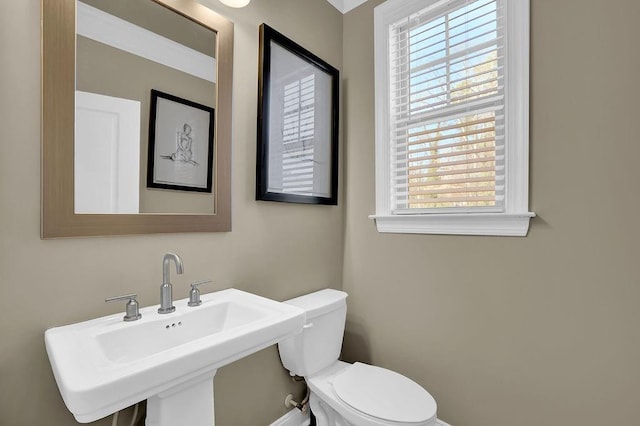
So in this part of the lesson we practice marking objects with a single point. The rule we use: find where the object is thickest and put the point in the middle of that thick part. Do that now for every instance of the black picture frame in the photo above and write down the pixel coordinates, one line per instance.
(181, 143)
(297, 151)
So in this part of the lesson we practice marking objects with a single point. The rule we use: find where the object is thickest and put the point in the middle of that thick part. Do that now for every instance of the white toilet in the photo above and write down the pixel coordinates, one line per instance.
(345, 394)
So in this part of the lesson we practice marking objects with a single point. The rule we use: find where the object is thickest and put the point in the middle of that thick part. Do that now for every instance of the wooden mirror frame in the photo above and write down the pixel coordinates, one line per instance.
(58, 218)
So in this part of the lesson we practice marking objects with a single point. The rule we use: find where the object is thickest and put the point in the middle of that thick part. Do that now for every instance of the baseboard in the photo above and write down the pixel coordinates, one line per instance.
(296, 418)
(293, 418)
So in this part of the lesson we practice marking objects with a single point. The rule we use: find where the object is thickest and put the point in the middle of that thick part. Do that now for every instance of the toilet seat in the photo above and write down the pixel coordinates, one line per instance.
(336, 387)
(384, 394)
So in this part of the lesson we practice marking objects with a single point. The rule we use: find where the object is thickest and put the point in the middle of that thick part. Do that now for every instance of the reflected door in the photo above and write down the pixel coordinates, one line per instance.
(107, 154)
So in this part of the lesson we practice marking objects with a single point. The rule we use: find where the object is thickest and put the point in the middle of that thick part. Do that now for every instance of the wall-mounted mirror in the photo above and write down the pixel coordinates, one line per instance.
(136, 117)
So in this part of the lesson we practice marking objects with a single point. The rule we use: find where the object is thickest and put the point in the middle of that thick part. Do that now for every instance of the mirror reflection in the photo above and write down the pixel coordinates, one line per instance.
(128, 52)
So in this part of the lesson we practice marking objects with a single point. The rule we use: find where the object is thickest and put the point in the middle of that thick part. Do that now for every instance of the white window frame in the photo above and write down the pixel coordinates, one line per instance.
(514, 219)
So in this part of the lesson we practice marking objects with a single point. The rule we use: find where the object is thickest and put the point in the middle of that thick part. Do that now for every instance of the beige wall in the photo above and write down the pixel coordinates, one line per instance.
(276, 250)
(543, 330)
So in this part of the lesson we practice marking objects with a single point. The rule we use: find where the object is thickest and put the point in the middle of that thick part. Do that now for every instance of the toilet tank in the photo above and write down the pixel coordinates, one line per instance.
(319, 344)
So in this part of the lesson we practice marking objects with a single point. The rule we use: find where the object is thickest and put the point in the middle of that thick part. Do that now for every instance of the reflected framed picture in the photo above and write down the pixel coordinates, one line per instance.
(180, 144)
(297, 153)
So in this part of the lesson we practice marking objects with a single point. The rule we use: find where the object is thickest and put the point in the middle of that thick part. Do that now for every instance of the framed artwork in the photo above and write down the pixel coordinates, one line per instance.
(180, 144)
(297, 155)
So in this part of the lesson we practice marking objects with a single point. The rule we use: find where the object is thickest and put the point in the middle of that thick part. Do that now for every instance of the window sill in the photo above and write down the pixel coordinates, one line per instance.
(495, 224)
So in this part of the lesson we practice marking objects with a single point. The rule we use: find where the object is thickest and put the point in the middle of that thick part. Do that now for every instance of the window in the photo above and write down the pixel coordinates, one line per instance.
(452, 110)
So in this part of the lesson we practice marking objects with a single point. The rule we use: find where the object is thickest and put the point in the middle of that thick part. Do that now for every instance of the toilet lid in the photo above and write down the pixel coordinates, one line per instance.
(384, 394)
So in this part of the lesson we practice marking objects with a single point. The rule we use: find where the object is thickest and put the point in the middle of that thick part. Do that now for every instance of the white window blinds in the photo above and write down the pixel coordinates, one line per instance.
(446, 95)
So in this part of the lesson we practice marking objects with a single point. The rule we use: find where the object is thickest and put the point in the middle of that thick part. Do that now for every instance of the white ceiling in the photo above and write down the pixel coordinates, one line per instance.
(346, 5)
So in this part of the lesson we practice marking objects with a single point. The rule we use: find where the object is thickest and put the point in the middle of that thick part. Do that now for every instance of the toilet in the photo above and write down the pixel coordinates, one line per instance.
(343, 394)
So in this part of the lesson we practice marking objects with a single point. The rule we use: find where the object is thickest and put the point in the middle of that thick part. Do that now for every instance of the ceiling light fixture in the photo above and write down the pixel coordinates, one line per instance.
(235, 3)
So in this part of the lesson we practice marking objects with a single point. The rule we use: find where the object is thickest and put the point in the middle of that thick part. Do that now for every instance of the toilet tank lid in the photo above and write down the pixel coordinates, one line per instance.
(319, 302)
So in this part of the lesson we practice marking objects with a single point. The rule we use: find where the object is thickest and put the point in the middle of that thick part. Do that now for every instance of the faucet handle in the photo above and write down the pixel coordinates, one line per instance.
(194, 294)
(132, 309)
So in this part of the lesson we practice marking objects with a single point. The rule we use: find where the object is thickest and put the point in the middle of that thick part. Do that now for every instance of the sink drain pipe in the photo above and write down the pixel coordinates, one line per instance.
(134, 417)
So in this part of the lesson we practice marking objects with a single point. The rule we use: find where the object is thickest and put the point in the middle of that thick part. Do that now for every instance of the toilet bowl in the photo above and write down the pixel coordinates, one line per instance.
(343, 394)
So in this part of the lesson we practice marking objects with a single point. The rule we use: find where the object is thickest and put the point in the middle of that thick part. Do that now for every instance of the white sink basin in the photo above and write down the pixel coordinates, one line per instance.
(106, 364)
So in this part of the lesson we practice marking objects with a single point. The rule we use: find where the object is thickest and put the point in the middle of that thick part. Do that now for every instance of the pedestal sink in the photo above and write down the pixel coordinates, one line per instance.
(104, 365)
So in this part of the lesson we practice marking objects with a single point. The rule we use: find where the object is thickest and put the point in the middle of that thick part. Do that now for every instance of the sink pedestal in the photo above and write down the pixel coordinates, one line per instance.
(190, 403)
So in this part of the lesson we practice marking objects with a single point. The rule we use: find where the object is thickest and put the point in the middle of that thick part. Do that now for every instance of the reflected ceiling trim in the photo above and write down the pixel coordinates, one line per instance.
(115, 32)
(345, 6)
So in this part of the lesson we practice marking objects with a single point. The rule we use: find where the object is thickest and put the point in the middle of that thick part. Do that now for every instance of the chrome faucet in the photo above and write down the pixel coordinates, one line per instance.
(166, 299)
